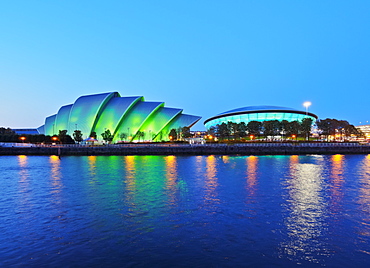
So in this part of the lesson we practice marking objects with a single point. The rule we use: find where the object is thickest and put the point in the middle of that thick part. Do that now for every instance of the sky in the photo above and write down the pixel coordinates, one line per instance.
(206, 57)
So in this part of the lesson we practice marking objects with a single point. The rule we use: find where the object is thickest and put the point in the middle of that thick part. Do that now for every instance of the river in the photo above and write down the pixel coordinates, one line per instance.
(185, 211)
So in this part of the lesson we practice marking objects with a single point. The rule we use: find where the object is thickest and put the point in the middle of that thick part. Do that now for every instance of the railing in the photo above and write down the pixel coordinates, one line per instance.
(249, 144)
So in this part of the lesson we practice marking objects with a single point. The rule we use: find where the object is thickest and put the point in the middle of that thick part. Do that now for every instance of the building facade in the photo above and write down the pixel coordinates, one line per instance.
(258, 113)
(127, 118)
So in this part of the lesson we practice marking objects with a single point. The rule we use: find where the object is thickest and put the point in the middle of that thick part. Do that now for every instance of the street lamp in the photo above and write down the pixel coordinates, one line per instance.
(307, 104)
(54, 138)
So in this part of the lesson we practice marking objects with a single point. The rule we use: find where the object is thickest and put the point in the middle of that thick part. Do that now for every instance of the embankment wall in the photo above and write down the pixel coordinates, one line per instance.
(186, 149)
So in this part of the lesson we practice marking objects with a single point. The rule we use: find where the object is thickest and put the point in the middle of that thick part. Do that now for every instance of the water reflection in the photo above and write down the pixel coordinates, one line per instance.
(171, 177)
(336, 180)
(252, 168)
(211, 181)
(262, 211)
(364, 202)
(306, 207)
(23, 182)
(130, 179)
(56, 176)
(92, 164)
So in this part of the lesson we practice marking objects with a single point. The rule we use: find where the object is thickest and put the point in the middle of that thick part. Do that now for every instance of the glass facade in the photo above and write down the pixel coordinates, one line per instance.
(283, 114)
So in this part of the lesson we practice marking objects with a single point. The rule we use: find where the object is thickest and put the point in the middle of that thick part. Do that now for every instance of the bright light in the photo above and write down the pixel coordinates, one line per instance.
(307, 104)
(22, 138)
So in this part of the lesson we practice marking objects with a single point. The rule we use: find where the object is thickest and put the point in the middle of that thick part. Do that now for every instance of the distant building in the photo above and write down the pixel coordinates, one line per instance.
(127, 118)
(26, 131)
(195, 140)
(258, 113)
(365, 129)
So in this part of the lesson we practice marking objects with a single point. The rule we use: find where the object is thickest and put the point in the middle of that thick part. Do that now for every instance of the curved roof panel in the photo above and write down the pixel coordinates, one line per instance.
(86, 110)
(62, 119)
(128, 115)
(180, 120)
(158, 121)
(113, 113)
(132, 122)
(50, 125)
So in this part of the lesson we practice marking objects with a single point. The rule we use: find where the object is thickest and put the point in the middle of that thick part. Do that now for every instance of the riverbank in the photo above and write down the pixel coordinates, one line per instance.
(187, 149)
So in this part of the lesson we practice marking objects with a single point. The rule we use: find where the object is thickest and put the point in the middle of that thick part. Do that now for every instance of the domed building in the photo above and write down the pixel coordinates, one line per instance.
(258, 113)
(120, 115)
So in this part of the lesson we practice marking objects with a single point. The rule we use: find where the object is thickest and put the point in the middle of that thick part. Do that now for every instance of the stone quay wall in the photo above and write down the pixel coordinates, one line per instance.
(187, 149)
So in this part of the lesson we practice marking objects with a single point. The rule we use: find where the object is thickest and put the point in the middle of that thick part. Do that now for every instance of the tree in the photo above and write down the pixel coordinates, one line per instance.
(140, 134)
(306, 125)
(271, 128)
(284, 127)
(93, 135)
(62, 134)
(77, 136)
(232, 129)
(107, 136)
(294, 128)
(64, 138)
(173, 134)
(123, 136)
(352, 130)
(254, 128)
(242, 129)
(223, 131)
(212, 131)
(186, 132)
(332, 127)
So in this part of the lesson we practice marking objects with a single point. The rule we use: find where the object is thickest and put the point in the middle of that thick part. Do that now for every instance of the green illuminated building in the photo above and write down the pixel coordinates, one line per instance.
(121, 115)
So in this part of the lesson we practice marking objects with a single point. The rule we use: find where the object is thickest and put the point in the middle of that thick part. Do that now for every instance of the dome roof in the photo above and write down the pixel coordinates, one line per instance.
(257, 109)
(264, 112)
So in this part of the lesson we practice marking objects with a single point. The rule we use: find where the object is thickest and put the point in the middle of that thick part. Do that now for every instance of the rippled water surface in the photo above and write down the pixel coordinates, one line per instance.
(196, 211)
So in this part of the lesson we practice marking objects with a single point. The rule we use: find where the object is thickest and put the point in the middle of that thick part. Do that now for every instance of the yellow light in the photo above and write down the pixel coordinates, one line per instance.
(210, 136)
(22, 138)
(170, 137)
(293, 136)
(54, 138)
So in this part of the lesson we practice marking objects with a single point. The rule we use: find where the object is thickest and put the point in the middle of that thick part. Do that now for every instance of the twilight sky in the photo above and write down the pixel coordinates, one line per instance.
(205, 57)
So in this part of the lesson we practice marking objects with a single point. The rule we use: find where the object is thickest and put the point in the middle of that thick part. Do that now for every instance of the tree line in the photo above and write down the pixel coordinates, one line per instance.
(284, 128)
(331, 127)
(225, 131)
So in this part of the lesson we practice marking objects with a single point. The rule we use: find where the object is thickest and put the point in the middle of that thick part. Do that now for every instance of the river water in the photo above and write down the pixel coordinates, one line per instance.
(185, 211)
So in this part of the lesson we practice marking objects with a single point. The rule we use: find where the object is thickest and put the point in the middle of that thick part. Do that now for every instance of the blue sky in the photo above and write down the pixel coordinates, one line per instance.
(205, 57)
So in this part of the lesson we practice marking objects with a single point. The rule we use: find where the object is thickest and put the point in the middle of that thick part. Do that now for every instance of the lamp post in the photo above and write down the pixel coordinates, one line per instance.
(56, 139)
(307, 104)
